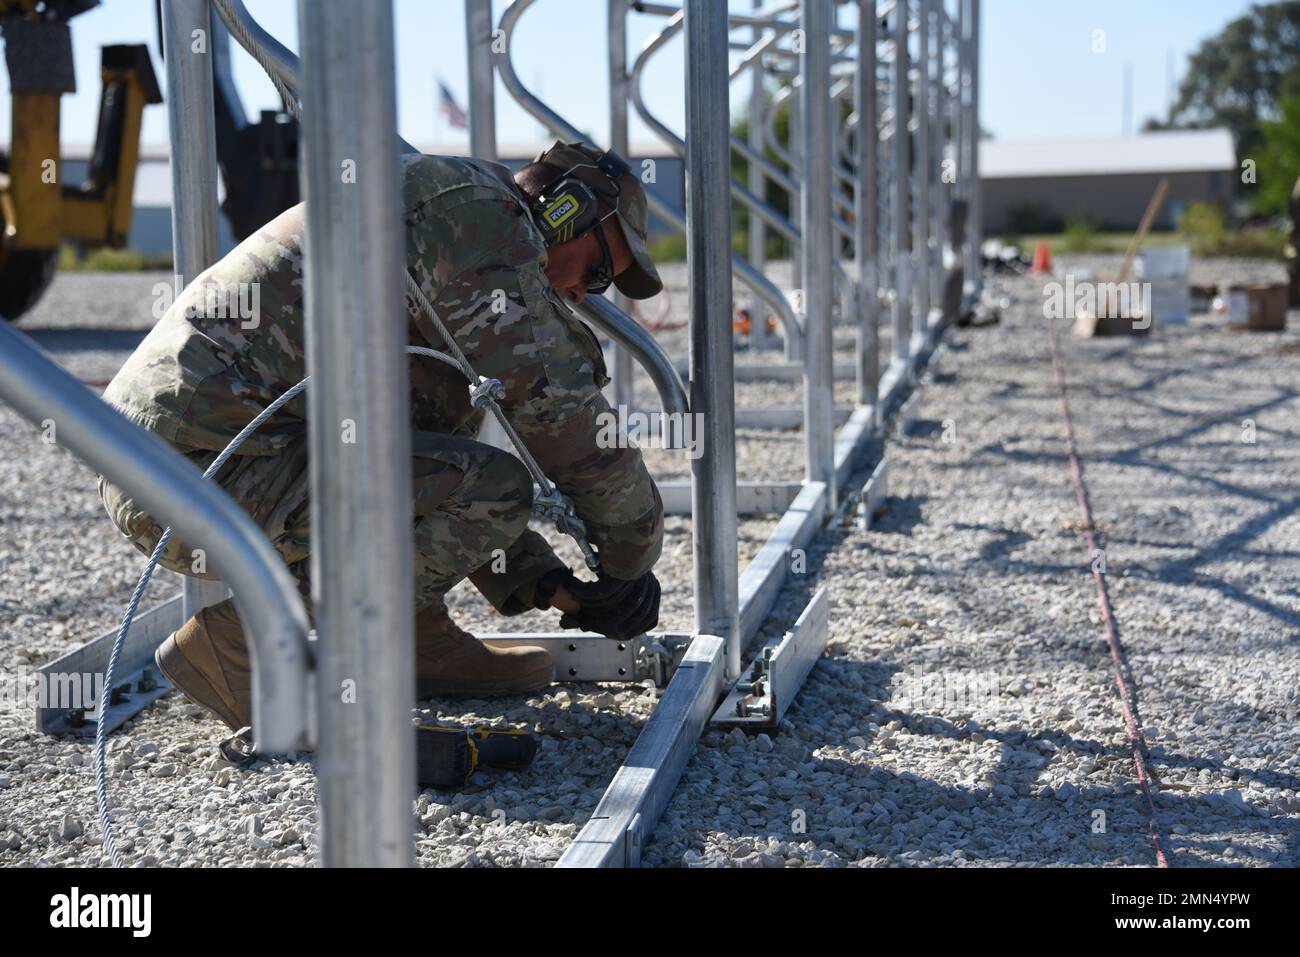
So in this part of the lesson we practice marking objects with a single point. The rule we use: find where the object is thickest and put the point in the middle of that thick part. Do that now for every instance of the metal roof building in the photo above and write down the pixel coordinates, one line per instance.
(151, 223)
(1028, 187)
(1038, 187)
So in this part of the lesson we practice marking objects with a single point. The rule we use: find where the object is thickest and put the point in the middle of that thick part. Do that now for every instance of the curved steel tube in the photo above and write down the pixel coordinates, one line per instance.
(637, 340)
(758, 18)
(171, 489)
(753, 53)
(280, 63)
(770, 214)
(767, 290)
(769, 126)
(772, 141)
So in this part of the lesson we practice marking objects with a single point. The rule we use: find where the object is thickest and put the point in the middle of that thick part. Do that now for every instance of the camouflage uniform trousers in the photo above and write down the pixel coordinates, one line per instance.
(471, 504)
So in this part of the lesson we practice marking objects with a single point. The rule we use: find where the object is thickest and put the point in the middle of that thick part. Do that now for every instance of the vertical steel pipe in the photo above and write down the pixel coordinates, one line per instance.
(758, 186)
(481, 75)
(708, 262)
(359, 433)
(866, 211)
(975, 229)
(968, 138)
(482, 79)
(938, 141)
(188, 45)
(621, 381)
(921, 212)
(901, 192)
(795, 144)
(959, 125)
(818, 242)
(187, 41)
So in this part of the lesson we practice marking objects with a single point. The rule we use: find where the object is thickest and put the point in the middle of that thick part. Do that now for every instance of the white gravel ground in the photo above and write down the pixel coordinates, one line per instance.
(965, 714)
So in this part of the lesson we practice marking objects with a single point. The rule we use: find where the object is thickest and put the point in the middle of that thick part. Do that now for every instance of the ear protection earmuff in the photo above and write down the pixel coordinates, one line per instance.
(568, 207)
(565, 209)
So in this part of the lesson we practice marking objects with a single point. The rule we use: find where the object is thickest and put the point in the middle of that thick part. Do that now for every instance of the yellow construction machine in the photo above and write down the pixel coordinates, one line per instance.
(38, 210)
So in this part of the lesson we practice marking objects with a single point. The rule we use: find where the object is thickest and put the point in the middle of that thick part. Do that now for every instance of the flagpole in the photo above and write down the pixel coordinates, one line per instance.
(437, 108)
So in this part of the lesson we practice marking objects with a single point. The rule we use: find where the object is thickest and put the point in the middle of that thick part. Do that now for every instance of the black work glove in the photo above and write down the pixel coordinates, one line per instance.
(614, 607)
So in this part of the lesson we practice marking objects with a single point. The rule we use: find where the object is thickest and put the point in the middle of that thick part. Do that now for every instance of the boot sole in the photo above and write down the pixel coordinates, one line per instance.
(191, 682)
(460, 688)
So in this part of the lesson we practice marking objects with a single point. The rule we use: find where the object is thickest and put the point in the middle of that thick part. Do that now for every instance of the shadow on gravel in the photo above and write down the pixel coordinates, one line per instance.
(857, 811)
(902, 515)
(925, 429)
(1232, 544)
(1133, 454)
(897, 817)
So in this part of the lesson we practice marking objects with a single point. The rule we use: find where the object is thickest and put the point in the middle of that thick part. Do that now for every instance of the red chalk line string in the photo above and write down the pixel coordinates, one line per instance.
(1135, 737)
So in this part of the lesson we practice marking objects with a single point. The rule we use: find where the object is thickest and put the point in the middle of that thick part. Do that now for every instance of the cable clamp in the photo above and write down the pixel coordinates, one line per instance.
(556, 507)
(486, 392)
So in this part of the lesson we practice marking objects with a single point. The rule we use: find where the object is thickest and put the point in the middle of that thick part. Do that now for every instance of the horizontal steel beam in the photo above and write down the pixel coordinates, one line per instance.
(579, 656)
(135, 668)
(784, 417)
(584, 656)
(752, 498)
(775, 371)
(767, 417)
(763, 578)
(631, 806)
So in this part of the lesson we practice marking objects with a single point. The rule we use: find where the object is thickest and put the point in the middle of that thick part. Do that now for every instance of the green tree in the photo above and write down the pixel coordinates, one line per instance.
(777, 197)
(773, 193)
(1278, 158)
(1239, 78)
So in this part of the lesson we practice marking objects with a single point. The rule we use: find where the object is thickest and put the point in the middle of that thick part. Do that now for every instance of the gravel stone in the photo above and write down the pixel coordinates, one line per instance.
(965, 714)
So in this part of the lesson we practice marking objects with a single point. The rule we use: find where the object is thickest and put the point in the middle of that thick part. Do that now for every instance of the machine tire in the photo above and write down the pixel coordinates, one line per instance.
(24, 277)
(25, 274)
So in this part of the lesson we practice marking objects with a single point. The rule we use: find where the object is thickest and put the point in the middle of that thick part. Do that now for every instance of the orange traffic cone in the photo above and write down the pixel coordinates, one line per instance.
(1042, 259)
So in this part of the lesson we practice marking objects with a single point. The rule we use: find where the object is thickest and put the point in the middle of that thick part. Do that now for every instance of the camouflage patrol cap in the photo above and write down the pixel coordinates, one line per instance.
(641, 279)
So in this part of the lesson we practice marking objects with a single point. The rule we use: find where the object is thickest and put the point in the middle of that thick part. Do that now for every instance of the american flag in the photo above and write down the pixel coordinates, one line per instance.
(451, 110)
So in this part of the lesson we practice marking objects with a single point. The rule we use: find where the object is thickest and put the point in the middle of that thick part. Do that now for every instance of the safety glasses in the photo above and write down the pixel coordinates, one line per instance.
(603, 275)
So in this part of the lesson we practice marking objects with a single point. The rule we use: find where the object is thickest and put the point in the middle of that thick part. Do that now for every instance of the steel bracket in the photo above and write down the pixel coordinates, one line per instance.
(874, 493)
(135, 669)
(761, 696)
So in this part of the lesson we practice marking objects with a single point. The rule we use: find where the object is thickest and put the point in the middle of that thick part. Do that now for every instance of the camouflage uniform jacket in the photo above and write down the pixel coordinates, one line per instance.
(212, 362)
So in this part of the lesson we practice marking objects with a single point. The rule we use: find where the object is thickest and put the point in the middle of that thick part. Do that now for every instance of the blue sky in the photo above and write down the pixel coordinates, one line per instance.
(1042, 80)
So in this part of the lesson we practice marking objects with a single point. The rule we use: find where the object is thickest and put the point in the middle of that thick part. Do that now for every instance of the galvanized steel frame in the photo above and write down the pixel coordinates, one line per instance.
(898, 251)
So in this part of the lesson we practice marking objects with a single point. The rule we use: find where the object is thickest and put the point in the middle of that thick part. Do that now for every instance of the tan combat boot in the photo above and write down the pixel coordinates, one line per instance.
(207, 660)
(450, 661)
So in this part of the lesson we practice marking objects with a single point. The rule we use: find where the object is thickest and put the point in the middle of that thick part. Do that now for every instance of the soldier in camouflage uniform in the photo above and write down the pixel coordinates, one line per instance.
(208, 367)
